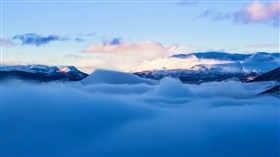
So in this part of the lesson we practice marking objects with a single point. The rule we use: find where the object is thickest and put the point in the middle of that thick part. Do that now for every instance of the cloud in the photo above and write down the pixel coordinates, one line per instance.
(112, 61)
(254, 12)
(165, 119)
(12, 61)
(114, 77)
(6, 42)
(79, 39)
(117, 54)
(83, 36)
(257, 12)
(116, 45)
(87, 34)
(215, 15)
(38, 40)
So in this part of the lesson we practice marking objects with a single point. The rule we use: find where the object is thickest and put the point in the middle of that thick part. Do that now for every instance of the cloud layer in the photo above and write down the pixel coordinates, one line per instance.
(164, 119)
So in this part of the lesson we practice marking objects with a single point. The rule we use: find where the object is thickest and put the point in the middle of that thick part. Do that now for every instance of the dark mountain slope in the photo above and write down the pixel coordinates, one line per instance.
(273, 75)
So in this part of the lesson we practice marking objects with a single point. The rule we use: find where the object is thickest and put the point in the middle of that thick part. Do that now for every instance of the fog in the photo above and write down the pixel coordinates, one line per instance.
(166, 118)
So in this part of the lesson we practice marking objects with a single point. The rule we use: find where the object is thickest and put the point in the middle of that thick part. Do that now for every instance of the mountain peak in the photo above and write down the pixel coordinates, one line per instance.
(67, 69)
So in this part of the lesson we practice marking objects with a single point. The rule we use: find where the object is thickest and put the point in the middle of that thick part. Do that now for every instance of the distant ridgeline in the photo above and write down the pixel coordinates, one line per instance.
(41, 73)
(273, 75)
(209, 66)
(191, 68)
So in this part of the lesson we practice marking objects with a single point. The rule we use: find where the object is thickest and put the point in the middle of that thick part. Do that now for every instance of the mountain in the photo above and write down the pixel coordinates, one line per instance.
(208, 66)
(215, 55)
(273, 90)
(273, 75)
(41, 73)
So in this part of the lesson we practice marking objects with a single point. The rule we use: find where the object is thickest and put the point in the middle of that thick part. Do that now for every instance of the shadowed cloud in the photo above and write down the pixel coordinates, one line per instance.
(127, 116)
(38, 40)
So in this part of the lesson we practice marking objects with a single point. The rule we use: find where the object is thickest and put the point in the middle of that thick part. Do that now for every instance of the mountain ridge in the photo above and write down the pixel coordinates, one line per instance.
(41, 73)
(249, 62)
(209, 66)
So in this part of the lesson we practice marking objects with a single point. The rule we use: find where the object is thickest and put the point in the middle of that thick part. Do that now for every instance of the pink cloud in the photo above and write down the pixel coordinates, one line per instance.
(6, 42)
(142, 46)
(122, 55)
(257, 12)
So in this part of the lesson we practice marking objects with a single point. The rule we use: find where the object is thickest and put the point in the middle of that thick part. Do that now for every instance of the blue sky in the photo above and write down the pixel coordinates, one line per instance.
(196, 26)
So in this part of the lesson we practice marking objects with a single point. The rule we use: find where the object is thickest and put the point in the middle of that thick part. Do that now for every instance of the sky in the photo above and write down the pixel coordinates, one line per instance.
(119, 34)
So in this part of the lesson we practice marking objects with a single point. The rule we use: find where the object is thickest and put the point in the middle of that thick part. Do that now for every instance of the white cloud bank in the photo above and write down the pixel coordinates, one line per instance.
(164, 119)
(122, 55)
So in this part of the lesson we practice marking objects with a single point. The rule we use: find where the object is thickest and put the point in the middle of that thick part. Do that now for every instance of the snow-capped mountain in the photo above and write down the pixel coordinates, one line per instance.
(38, 68)
(260, 61)
(172, 63)
(41, 72)
(208, 66)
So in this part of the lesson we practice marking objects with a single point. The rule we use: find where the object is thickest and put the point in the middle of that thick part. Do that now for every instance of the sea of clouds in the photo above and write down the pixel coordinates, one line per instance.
(148, 118)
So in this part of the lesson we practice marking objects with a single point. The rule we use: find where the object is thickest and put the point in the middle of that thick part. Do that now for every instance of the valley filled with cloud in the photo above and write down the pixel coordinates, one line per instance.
(117, 114)
(139, 78)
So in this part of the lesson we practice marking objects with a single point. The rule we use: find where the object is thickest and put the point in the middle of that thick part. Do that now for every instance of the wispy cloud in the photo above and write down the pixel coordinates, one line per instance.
(83, 37)
(79, 39)
(87, 34)
(38, 40)
(257, 12)
(186, 3)
(215, 15)
(72, 56)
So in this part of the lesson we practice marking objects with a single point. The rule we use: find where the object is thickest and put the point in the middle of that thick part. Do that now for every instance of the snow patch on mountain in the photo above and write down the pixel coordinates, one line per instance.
(64, 70)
